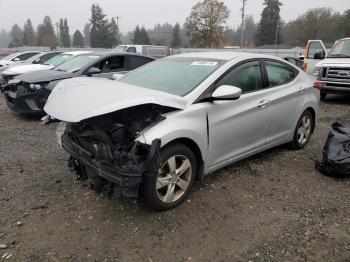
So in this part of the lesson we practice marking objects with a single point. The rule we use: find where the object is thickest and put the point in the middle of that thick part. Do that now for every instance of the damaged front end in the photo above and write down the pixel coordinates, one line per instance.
(104, 150)
(25, 98)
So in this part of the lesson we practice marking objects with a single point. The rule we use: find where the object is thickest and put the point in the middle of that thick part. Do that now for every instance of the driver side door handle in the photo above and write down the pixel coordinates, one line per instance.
(263, 103)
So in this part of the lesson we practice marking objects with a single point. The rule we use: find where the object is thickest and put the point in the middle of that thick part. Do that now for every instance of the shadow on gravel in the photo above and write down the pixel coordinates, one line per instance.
(27, 118)
(339, 99)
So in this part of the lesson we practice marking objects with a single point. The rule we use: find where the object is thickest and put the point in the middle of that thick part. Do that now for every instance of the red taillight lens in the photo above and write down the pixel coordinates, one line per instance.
(318, 85)
(305, 66)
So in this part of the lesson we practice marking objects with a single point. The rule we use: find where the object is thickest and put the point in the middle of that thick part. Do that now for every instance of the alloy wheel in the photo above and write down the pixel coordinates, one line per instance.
(304, 129)
(174, 178)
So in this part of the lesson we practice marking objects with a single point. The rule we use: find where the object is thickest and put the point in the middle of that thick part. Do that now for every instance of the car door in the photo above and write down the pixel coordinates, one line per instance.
(315, 51)
(240, 126)
(286, 99)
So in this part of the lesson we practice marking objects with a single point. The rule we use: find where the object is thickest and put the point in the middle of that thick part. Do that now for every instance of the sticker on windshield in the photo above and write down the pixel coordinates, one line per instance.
(204, 63)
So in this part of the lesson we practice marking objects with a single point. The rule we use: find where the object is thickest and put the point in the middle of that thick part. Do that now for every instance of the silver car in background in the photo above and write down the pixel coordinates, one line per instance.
(170, 122)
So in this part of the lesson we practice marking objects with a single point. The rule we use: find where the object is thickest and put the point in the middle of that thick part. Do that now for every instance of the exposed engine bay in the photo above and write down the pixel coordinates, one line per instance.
(104, 150)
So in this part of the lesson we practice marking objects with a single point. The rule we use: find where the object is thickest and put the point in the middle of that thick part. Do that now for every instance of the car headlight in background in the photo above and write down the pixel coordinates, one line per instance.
(36, 86)
(317, 71)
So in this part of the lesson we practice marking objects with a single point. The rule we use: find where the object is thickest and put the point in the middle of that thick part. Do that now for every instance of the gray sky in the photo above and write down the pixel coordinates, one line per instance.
(142, 12)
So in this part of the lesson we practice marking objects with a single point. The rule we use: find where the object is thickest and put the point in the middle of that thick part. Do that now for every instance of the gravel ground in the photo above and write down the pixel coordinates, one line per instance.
(271, 207)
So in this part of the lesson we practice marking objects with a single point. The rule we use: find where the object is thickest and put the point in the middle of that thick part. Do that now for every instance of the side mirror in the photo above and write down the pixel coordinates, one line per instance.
(16, 59)
(93, 71)
(36, 61)
(117, 76)
(226, 92)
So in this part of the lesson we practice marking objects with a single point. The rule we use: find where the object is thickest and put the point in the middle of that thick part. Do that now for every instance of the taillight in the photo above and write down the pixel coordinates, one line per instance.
(305, 66)
(317, 85)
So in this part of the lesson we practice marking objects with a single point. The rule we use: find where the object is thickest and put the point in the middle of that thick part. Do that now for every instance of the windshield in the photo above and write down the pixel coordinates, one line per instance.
(341, 49)
(120, 49)
(175, 76)
(76, 63)
(58, 59)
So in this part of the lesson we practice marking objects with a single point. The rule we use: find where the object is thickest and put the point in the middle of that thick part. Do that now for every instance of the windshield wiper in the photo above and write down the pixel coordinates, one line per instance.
(339, 56)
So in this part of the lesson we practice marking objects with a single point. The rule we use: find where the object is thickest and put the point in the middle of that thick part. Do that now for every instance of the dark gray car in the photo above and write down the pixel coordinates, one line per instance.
(27, 94)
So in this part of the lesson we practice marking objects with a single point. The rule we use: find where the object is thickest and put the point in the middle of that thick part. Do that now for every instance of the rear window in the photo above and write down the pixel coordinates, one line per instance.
(278, 73)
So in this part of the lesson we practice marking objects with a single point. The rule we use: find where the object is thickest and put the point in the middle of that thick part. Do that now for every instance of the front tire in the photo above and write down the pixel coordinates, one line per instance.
(303, 130)
(170, 186)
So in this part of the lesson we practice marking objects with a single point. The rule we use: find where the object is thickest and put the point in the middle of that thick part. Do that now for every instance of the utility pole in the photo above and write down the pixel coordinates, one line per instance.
(242, 26)
(276, 36)
(117, 18)
(58, 35)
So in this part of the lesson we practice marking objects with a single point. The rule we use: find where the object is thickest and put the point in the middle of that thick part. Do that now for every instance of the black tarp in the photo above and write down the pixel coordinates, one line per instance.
(336, 153)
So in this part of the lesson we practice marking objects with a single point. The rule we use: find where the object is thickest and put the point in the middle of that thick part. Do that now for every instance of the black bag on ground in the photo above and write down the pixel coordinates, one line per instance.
(336, 153)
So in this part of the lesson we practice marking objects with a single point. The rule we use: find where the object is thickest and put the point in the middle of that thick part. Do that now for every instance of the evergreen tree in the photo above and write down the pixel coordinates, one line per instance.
(64, 33)
(99, 27)
(86, 32)
(144, 37)
(270, 24)
(136, 39)
(4, 38)
(78, 39)
(46, 34)
(176, 36)
(114, 35)
(29, 38)
(16, 36)
(346, 23)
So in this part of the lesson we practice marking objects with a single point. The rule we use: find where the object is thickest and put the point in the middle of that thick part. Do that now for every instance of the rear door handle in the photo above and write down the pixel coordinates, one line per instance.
(263, 103)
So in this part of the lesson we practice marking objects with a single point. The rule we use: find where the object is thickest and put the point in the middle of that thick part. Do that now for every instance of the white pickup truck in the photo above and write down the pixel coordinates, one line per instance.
(332, 70)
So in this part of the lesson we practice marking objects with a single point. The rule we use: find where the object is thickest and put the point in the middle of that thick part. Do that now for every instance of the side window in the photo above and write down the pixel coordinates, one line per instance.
(315, 51)
(247, 77)
(278, 74)
(26, 56)
(46, 57)
(111, 64)
(131, 49)
(135, 62)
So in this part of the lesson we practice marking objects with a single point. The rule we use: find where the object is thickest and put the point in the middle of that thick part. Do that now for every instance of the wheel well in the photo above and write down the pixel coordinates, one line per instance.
(313, 113)
(196, 151)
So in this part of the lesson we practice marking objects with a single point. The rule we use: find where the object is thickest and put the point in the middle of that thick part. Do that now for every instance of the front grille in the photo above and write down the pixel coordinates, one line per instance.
(336, 74)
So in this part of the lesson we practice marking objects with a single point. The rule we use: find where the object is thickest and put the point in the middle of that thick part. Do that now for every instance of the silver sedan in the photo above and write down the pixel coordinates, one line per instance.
(168, 123)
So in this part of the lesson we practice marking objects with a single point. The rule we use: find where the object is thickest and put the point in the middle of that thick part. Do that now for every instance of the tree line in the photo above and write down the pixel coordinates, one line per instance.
(206, 26)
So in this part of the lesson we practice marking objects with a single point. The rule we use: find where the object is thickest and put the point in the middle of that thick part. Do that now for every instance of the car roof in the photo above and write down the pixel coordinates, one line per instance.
(225, 55)
(77, 52)
(103, 54)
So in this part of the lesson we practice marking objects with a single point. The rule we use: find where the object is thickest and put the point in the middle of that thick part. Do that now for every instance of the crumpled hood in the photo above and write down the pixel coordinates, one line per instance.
(44, 76)
(333, 61)
(21, 69)
(76, 99)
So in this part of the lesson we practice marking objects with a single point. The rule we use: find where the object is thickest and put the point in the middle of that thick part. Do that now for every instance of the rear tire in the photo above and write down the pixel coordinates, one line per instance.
(171, 185)
(303, 130)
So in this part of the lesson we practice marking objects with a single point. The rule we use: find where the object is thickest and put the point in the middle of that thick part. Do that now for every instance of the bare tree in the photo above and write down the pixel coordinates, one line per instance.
(205, 23)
